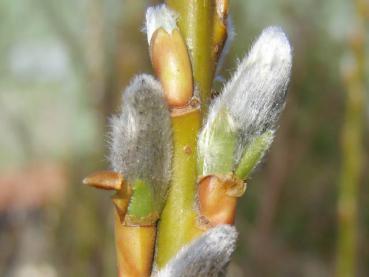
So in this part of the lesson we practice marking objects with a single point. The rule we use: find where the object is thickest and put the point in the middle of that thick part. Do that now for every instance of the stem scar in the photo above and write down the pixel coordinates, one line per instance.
(187, 149)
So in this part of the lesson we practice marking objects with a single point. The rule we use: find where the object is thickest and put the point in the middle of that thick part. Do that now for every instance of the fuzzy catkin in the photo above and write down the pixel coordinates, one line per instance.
(207, 256)
(141, 146)
(255, 96)
(159, 16)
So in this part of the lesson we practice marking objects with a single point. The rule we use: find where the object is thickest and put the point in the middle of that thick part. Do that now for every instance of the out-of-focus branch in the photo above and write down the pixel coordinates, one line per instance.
(50, 10)
(352, 149)
(277, 173)
(95, 59)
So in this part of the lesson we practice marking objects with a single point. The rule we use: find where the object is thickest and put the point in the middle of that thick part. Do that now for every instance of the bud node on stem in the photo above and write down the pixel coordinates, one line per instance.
(217, 198)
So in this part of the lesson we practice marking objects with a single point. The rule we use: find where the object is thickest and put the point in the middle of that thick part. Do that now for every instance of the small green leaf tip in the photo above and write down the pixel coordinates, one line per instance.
(140, 140)
(253, 153)
(251, 103)
(142, 201)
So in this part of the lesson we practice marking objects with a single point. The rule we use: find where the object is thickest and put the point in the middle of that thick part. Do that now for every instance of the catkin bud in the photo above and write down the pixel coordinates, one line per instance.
(141, 146)
(169, 55)
(206, 256)
(249, 105)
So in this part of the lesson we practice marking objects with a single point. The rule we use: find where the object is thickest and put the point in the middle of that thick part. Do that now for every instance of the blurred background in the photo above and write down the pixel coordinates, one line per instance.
(63, 65)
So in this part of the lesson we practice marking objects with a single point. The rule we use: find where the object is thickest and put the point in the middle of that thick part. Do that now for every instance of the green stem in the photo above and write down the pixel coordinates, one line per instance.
(177, 224)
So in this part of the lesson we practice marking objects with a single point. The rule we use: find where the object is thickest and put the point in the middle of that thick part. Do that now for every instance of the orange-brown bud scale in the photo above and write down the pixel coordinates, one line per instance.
(219, 38)
(220, 27)
(222, 7)
(218, 196)
(121, 201)
(134, 244)
(107, 180)
(135, 249)
(146, 221)
(172, 65)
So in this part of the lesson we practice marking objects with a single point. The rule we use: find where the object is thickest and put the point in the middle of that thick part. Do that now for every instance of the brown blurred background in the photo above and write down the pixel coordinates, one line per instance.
(63, 65)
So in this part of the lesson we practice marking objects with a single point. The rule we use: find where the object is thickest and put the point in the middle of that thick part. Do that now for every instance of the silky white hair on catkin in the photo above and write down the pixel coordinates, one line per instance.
(207, 256)
(256, 94)
(160, 16)
(140, 138)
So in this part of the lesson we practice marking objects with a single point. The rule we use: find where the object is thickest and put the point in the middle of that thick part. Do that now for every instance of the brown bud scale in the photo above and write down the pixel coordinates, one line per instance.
(107, 180)
(218, 196)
